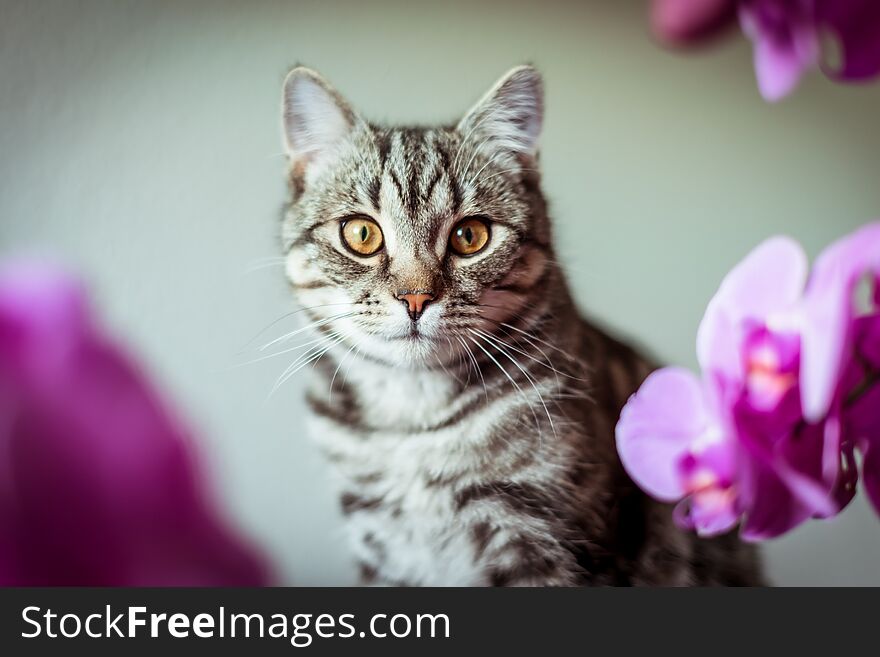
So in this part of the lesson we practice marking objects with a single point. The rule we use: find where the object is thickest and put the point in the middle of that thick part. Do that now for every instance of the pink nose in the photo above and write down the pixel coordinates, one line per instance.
(415, 302)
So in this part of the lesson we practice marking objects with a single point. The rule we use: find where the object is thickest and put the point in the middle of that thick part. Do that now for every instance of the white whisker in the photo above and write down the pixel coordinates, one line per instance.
(528, 377)
(290, 314)
(315, 324)
(513, 381)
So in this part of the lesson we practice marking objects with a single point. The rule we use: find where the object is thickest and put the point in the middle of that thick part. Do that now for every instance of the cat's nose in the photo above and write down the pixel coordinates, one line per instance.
(415, 302)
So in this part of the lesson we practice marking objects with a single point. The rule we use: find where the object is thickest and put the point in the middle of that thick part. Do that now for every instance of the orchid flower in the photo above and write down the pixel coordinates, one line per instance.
(786, 43)
(787, 35)
(764, 436)
(98, 479)
(842, 339)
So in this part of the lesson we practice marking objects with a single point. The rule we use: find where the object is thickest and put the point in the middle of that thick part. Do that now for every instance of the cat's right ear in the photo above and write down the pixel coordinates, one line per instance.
(509, 117)
(316, 120)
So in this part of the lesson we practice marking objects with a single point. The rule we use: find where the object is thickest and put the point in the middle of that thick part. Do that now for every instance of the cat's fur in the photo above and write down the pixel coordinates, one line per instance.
(474, 446)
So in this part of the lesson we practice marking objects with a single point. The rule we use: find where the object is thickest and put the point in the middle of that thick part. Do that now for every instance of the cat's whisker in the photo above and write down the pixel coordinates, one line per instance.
(315, 324)
(547, 364)
(280, 353)
(473, 358)
(461, 360)
(357, 354)
(445, 370)
(299, 359)
(499, 346)
(336, 371)
(540, 351)
(263, 263)
(544, 342)
(285, 316)
(512, 380)
(525, 334)
(312, 356)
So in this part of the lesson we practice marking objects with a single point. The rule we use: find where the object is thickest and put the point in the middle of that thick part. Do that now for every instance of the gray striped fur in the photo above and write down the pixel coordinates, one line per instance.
(474, 446)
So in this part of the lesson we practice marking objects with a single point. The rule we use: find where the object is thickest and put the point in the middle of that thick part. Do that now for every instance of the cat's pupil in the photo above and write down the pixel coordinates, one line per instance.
(364, 233)
(469, 235)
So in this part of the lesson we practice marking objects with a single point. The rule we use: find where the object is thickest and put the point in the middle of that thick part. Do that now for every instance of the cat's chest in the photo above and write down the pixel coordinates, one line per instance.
(395, 482)
(414, 536)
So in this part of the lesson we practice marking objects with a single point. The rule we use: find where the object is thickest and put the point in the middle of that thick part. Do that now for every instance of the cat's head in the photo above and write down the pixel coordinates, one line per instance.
(404, 241)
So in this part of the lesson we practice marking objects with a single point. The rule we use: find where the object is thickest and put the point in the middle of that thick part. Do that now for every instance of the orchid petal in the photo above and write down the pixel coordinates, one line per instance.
(99, 481)
(828, 310)
(707, 517)
(778, 514)
(768, 280)
(786, 45)
(856, 24)
(871, 473)
(657, 427)
(687, 22)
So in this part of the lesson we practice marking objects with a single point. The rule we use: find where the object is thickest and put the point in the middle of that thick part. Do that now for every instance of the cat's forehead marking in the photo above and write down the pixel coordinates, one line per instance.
(415, 189)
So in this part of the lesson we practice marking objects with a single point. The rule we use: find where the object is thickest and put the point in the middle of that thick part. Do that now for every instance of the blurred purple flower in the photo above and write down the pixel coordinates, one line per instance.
(684, 23)
(786, 34)
(786, 43)
(842, 338)
(98, 485)
(862, 419)
(767, 435)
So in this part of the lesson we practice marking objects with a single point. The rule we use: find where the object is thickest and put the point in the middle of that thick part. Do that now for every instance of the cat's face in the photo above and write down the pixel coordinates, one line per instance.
(403, 242)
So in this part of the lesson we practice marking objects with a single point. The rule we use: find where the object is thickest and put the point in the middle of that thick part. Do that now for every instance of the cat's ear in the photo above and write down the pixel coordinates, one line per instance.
(316, 120)
(510, 115)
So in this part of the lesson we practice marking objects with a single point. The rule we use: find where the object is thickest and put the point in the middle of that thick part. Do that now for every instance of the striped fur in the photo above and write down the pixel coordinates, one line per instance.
(475, 445)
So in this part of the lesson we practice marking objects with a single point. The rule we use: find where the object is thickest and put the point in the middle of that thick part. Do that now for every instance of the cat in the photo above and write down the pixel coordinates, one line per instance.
(466, 407)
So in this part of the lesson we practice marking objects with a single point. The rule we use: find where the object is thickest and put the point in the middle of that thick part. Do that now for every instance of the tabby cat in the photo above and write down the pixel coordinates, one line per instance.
(467, 408)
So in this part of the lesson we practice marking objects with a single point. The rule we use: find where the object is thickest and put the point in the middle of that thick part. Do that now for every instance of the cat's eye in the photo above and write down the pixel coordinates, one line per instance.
(362, 236)
(469, 236)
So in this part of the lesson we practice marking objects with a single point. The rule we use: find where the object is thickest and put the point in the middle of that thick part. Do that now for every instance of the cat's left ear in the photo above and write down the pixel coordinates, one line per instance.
(316, 121)
(510, 115)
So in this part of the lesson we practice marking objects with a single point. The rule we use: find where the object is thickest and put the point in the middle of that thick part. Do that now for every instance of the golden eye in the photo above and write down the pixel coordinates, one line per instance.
(362, 236)
(469, 236)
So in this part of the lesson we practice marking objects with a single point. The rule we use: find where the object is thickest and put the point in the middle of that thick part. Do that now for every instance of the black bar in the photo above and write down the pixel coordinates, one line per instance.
(527, 621)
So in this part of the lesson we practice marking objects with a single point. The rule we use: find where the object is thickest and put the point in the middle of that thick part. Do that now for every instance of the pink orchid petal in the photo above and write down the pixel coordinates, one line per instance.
(778, 71)
(782, 452)
(828, 311)
(657, 427)
(786, 44)
(862, 426)
(707, 517)
(688, 22)
(774, 510)
(768, 280)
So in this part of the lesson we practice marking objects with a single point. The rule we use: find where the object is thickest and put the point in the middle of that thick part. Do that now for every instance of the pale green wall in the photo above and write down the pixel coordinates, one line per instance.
(140, 140)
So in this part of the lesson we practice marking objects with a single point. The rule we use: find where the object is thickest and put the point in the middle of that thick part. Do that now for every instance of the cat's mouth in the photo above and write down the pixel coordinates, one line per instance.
(414, 335)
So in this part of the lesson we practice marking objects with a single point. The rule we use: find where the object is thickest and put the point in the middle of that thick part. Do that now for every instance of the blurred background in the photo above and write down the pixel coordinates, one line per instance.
(140, 142)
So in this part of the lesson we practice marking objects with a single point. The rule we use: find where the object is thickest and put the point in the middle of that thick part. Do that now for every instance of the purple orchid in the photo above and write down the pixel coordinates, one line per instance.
(786, 43)
(767, 436)
(98, 483)
(787, 35)
(842, 339)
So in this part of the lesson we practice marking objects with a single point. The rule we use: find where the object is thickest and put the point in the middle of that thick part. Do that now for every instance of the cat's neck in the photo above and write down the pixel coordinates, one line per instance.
(393, 396)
